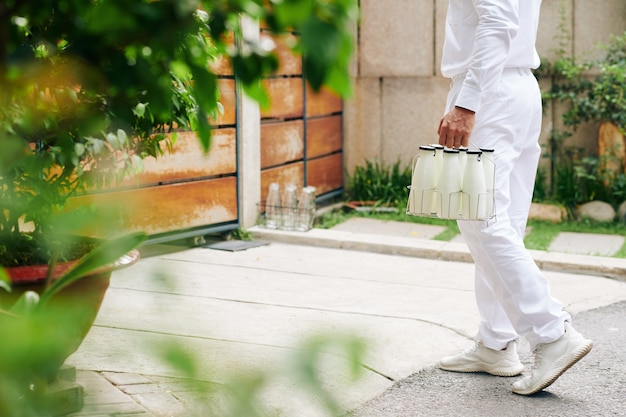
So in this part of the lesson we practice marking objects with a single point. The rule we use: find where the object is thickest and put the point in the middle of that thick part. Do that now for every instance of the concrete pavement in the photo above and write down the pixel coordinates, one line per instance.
(593, 387)
(411, 299)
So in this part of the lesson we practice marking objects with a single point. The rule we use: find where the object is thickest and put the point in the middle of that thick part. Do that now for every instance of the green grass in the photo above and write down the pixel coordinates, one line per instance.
(621, 253)
(541, 235)
(539, 238)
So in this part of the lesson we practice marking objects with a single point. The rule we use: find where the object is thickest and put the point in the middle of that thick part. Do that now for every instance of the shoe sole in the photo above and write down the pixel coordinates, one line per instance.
(496, 372)
(578, 356)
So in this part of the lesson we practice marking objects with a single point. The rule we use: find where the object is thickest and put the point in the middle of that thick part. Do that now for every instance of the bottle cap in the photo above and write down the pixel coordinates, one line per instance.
(450, 150)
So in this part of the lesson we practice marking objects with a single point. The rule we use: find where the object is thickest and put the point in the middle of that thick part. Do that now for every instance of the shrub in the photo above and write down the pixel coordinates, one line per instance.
(593, 90)
(379, 182)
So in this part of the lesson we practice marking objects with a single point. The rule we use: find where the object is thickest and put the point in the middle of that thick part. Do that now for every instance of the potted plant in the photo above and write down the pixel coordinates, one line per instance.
(73, 119)
(89, 89)
(80, 107)
(595, 91)
(42, 328)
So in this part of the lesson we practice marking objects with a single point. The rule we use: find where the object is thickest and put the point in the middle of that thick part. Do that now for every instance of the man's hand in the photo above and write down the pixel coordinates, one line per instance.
(455, 128)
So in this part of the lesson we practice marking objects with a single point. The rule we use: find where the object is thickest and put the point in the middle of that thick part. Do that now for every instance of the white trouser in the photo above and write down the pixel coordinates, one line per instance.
(512, 294)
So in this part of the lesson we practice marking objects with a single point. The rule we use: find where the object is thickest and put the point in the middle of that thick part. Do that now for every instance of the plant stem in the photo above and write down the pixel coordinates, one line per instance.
(52, 265)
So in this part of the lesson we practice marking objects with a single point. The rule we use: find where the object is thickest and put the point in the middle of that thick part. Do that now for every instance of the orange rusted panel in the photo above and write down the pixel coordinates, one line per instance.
(281, 142)
(323, 136)
(324, 102)
(286, 174)
(289, 62)
(166, 208)
(188, 161)
(326, 173)
(222, 65)
(228, 99)
(286, 98)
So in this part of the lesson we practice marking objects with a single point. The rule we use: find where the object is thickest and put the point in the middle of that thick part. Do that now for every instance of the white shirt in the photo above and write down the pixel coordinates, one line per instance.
(482, 38)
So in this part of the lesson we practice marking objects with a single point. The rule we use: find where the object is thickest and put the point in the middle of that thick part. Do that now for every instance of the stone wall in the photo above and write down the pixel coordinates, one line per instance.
(399, 94)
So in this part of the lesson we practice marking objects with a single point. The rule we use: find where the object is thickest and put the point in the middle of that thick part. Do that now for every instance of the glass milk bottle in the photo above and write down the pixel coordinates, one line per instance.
(272, 207)
(489, 166)
(449, 186)
(289, 207)
(462, 158)
(438, 158)
(423, 182)
(306, 209)
(474, 188)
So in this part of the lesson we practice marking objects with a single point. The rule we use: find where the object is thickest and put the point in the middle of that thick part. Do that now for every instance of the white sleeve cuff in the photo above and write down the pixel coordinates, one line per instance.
(469, 98)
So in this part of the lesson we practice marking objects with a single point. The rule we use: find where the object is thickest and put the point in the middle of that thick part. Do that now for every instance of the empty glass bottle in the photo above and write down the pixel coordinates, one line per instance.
(289, 207)
(306, 209)
(272, 207)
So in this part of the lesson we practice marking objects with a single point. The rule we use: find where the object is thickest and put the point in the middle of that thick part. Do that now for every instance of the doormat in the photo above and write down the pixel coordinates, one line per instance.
(236, 245)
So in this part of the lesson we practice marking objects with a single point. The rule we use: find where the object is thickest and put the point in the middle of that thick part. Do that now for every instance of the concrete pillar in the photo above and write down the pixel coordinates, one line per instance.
(249, 146)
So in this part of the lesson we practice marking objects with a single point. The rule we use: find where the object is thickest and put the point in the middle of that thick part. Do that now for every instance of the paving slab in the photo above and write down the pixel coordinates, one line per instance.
(390, 228)
(103, 399)
(586, 243)
(240, 311)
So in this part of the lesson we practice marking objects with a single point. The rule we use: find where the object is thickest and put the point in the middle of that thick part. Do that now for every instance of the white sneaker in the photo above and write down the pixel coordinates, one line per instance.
(482, 359)
(552, 359)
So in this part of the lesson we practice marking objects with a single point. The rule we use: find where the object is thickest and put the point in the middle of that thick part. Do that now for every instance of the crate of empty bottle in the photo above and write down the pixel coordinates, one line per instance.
(452, 183)
(288, 209)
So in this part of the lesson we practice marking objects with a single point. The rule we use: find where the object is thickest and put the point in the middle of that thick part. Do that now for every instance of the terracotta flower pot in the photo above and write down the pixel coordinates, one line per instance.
(68, 316)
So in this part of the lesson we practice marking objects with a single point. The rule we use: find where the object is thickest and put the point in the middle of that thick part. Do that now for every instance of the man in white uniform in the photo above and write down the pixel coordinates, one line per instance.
(495, 102)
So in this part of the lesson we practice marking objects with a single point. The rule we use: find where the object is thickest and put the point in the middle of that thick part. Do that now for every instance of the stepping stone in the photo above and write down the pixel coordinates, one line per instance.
(586, 244)
(390, 228)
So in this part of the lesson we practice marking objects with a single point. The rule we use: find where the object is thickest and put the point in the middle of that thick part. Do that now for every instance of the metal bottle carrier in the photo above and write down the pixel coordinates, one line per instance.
(431, 199)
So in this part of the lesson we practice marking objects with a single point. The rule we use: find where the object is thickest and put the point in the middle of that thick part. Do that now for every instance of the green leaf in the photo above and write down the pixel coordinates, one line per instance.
(137, 163)
(140, 110)
(105, 254)
(180, 70)
(5, 280)
(26, 304)
(258, 93)
(293, 12)
(204, 130)
(122, 137)
(113, 140)
(97, 145)
(181, 360)
(79, 148)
